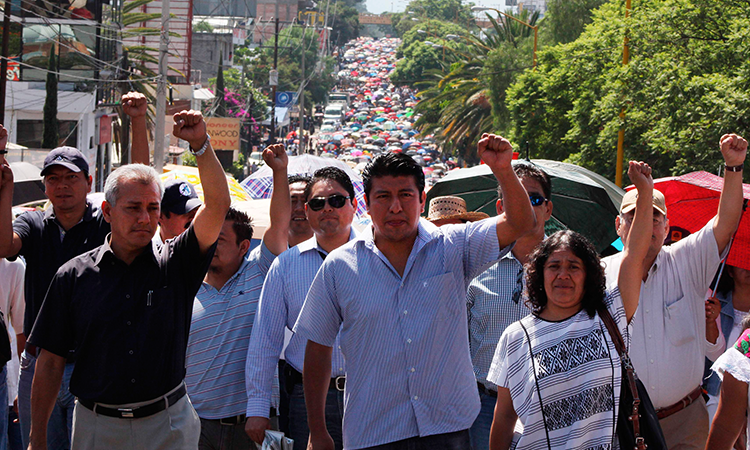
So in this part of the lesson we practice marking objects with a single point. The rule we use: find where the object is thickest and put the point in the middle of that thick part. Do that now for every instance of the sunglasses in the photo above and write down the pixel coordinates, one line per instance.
(336, 201)
(536, 199)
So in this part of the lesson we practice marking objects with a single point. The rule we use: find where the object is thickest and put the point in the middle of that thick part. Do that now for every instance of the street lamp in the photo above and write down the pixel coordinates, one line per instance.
(533, 27)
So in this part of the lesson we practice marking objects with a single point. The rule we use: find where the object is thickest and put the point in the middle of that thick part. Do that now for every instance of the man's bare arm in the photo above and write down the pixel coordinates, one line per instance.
(44, 389)
(135, 105)
(276, 237)
(10, 243)
(734, 150)
(190, 126)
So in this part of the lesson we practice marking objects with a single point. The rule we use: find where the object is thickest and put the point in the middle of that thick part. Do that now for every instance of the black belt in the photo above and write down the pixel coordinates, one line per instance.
(483, 390)
(137, 412)
(234, 420)
(294, 377)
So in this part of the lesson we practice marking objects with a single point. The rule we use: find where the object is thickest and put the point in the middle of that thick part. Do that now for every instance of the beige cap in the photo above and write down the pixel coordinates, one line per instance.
(449, 207)
(628, 201)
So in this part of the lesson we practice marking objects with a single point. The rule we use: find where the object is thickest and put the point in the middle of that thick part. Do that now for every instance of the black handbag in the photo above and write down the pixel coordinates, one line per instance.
(637, 424)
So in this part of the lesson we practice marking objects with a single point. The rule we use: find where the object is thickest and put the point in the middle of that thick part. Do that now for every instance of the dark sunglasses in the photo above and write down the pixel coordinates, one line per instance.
(335, 200)
(536, 199)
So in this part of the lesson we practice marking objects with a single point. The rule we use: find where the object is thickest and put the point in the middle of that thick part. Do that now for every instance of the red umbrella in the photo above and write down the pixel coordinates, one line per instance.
(692, 200)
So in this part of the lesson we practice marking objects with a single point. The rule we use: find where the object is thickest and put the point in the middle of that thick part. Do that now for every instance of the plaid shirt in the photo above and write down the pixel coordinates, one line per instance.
(494, 301)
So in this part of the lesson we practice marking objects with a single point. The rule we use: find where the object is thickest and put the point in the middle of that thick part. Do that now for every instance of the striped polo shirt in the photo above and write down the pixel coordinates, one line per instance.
(219, 335)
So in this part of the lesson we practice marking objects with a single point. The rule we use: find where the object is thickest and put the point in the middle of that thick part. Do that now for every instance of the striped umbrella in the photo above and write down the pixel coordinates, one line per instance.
(260, 184)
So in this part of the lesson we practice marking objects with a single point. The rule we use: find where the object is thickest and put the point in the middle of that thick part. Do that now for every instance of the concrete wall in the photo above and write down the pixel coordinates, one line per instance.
(208, 50)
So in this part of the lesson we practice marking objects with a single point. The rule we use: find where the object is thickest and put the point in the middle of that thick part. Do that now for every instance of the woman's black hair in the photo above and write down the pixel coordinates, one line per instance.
(594, 285)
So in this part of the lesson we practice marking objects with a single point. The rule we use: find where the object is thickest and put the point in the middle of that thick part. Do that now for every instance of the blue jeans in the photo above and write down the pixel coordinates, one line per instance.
(480, 431)
(298, 428)
(60, 424)
(458, 440)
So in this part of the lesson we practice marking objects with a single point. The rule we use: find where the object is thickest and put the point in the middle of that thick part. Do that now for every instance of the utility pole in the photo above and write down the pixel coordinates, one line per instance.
(161, 89)
(302, 147)
(4, 62)
(274, 81)
(621, 134)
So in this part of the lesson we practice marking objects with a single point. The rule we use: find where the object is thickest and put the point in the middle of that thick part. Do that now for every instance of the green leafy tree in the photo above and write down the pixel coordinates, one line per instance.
(565, 20)
(343, 19)
(418, 11)
(417, 57)
(203, 27)
(50, 137)
(685, 86)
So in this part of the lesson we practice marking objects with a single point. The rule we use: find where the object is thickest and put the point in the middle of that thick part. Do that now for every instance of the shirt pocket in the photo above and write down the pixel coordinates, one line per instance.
(679, 322)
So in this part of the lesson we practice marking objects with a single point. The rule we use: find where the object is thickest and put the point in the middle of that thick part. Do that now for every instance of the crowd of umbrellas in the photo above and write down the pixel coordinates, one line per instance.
(380, 116)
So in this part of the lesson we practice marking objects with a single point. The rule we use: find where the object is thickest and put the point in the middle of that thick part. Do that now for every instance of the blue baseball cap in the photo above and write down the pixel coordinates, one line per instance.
(69, 157)
(179, 197)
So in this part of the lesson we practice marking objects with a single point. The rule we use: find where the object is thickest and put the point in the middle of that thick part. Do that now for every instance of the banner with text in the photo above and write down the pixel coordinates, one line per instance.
(225, 133)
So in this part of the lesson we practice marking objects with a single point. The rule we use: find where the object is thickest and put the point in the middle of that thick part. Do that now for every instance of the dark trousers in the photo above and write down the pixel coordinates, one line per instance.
(215, 436)
(458, 440)
(283, 413)
(298, 428)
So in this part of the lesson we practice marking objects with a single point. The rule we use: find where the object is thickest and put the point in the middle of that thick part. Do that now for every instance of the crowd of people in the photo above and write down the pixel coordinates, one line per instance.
(380, 116)
(149, 322)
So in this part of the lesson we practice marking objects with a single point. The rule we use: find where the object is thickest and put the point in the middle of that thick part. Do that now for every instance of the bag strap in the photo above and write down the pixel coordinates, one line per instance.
(627, 364)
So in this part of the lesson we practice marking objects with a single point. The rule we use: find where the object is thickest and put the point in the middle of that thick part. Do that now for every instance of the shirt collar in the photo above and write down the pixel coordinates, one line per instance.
(88, 214)
(312, 243)
(426, 231)
(105, 248)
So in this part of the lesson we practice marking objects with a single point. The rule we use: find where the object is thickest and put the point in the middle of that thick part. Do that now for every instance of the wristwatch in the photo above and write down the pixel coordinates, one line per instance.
(201, 150)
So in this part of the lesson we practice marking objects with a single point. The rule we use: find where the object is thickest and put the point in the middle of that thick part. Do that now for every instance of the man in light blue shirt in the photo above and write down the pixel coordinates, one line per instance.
(223, 314)
(495, 298)
(330, 210)
(397, 294)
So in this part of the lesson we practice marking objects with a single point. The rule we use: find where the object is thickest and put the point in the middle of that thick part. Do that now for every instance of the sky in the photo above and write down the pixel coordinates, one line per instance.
(379, 6)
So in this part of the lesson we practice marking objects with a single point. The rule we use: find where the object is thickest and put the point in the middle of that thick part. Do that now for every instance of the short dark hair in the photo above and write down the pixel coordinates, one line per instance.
(298, 178)
(333, 174)
(241, 224)
(594, 287)
(530, 171)
(392, 164)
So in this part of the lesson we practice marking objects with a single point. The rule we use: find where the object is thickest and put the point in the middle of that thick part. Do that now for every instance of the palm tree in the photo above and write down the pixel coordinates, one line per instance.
(455, 100)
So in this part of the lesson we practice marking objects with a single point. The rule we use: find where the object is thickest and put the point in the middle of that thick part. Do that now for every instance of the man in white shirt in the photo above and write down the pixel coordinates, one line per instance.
(668, 344)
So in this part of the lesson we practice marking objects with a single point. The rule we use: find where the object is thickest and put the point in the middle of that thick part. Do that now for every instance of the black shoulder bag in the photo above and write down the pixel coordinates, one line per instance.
(637, 425)
(5, 351)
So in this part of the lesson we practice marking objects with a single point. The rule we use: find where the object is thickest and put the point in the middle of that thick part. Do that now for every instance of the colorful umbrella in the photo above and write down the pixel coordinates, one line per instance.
(583, 200)
(192, 176)
(260, 184)
(693, 200)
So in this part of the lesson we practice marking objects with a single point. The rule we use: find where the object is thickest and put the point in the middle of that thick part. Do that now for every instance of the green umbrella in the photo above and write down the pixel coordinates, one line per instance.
(583, 200)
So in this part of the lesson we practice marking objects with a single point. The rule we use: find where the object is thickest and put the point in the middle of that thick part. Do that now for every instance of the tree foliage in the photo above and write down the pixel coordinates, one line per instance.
(686, 85)
(418, 11)
(565, 20)
(417, 58)
(343, 19)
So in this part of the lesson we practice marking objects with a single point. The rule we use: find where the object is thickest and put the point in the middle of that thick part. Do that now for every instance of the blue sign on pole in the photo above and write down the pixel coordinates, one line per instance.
(285, 99)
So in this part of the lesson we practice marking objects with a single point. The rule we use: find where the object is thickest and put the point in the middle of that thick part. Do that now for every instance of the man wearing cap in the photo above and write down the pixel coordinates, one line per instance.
(125, 308)
(47, 239)
(668, 344)
(179, 204)
(448, 209)
(495, 300)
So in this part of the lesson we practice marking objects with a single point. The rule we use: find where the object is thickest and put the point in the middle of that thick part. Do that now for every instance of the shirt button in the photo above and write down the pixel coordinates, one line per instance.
(425, 284)
(341, 369)
(649, 336)
(416, 397)
(413, 369)
(652, 361)
(130, 352)
(127, 295)
(408, 341)
(405, 312)
(133, 380)
(128, 322)
(646, 311)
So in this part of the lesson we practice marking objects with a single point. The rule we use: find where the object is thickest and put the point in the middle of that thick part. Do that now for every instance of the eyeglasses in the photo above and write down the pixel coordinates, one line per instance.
(519, 286)
(536, 199)
(335, 200)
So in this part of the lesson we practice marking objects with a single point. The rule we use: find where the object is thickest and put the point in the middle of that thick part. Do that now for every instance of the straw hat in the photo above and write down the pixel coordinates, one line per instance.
(449, 207)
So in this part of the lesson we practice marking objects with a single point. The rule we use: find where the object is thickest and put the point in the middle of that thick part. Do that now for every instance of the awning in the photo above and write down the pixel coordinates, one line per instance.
(282, 117)
(203, 94)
